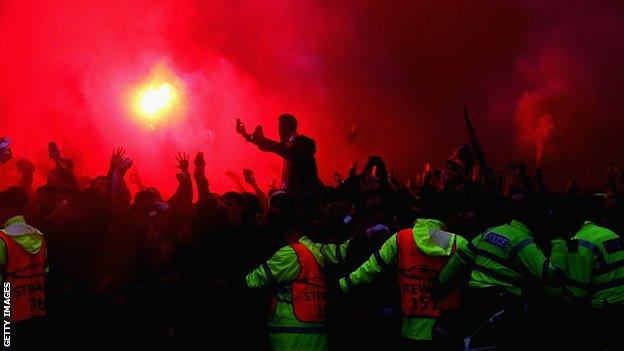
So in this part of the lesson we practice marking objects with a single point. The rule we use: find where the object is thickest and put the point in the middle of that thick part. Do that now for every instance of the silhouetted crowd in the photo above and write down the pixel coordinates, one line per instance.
(141, 270)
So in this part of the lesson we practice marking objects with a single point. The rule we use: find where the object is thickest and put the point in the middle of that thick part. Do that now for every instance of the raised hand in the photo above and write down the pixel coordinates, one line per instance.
(125, 164)
(117, 158)
(183, 162)
(258, 133)
(199, 162)
(234, 176)
(249, 176)
(240, 127)
(236, 179)
(53, 151)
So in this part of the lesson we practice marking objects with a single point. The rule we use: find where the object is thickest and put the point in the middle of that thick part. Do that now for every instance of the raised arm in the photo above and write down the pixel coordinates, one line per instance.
(184, 192)
(265, 144)
(236, 180)
(203, 187)
(64, 167)
(120, 193)
(250, 179)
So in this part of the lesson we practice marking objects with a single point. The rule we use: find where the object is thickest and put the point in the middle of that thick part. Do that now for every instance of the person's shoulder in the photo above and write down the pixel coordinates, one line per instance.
(499, 229)
(460, 240)
(304, 141)
(300, 138)
(602, 234)
(285, 252)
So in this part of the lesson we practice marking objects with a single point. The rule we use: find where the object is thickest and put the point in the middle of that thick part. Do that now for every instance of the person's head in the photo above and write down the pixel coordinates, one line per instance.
(252, 209)
(99, 185)
(12, 203)
(568, 214)
(526, 209)
(462, 156)
(231, 203)
(278, 201)
(281, 211)
(445, 207)
(340, 204)
(144, 201)
(374, 173)
(49, 197)
(287, 126)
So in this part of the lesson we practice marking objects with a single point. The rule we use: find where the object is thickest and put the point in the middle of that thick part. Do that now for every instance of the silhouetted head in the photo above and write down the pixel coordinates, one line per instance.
(287, 126)
(100, 185)
(47, 198)
(12, 203)
(568, 215)
(445, 207)
(280, 205)
(144, 202)
(231, 203)
(252, 208)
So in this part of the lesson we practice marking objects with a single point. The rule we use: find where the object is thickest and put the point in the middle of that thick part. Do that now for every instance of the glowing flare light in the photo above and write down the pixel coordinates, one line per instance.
(156, 99)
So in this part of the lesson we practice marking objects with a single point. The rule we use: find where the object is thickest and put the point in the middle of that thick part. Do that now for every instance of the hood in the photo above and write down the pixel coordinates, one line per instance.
(24, 235)
(431, 239)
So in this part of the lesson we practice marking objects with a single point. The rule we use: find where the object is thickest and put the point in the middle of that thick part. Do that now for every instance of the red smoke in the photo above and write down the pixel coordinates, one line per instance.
(542, 81)
(549, 79)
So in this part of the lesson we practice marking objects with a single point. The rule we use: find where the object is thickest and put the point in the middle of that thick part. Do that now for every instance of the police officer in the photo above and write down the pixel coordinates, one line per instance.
(594, 284)
(504, 265)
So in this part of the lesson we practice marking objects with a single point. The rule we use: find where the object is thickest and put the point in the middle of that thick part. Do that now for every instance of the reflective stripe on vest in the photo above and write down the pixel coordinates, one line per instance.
(309, 289)
(417, 273)
(26, 273)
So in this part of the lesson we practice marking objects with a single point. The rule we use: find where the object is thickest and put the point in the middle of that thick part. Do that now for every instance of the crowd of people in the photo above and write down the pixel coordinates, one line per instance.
(367, 262)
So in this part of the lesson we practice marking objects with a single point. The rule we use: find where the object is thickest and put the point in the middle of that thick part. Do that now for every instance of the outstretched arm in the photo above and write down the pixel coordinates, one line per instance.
(184, 192)
(250, 179)
(379, 262)
(64, 166)
(203, 187)
(266, 144)
(283, 266)
(120, 193)
(237, 181)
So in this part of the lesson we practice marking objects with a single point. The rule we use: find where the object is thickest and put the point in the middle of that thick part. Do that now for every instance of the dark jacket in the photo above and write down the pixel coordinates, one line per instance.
(300, 174)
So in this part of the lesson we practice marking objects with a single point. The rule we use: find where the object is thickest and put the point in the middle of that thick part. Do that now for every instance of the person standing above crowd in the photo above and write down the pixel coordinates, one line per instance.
(299, 172)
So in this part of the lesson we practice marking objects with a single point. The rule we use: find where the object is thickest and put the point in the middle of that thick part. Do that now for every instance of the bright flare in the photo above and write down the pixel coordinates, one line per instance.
(156, 99)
